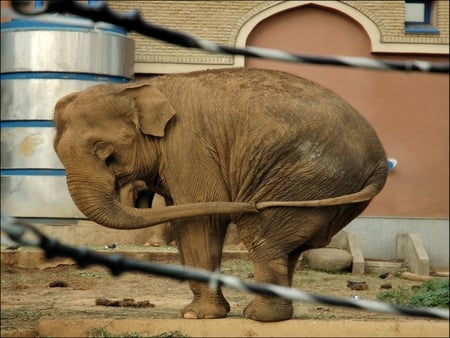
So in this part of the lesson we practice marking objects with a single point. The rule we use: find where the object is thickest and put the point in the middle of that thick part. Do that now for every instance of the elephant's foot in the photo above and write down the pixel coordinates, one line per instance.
(159, 235)
(269, 309)
(156, 241)
(206, 309)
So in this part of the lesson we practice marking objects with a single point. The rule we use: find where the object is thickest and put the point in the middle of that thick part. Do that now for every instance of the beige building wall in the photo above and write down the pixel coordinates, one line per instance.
(230, 22)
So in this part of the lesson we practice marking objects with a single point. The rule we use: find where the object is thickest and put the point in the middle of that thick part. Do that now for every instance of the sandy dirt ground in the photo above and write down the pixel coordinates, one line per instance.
(57, 299)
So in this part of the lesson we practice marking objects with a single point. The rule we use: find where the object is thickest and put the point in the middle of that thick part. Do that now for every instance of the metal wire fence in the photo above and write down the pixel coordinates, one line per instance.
(26, 234)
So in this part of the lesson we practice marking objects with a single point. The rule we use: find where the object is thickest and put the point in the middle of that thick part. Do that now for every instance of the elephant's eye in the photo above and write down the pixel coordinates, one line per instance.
(103, 150)
(109, 160)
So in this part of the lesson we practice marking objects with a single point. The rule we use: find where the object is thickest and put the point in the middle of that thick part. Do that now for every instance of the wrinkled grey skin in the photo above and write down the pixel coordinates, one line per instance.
(218, 145)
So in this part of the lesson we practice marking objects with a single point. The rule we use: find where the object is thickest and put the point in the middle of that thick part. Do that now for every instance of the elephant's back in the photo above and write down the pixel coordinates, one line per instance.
(256, 93)
(237, 82)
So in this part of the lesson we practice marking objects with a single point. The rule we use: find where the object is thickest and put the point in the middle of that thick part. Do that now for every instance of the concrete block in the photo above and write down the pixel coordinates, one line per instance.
(378, 235)
(339, 240)
(87, 233)
(411, 250)
(354, 247)
(328, 259)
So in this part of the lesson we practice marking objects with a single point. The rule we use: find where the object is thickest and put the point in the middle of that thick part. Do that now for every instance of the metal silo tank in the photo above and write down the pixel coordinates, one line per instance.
(40, 63)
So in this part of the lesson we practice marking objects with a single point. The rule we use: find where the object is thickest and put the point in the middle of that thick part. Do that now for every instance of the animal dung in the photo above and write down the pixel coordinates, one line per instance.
(384, 275)
(322, 308)
(125, 302)
(111, 246)
(386, 286)
(355, 285)
(13, 247)
(58, 284)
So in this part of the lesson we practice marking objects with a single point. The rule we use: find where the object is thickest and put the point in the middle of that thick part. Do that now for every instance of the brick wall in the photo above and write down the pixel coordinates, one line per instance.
(389, 18)
(220, 22)
(442, 19)
(212, 20)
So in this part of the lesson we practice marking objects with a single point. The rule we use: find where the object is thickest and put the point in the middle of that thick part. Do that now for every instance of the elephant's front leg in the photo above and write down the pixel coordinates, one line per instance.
(200, 243)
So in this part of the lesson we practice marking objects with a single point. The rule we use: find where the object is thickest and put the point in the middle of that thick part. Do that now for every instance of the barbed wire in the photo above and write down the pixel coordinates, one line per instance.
(24, 233)
(132, 21)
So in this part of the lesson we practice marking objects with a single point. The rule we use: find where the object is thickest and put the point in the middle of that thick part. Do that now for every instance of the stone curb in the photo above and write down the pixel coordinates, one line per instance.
(31, 258)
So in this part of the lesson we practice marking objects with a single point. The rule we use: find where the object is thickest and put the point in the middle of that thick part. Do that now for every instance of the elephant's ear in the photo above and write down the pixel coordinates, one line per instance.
(153, 108)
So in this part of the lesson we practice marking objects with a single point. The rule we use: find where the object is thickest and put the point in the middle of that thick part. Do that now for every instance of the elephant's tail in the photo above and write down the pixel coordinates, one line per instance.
(372, 187)
(366, 194)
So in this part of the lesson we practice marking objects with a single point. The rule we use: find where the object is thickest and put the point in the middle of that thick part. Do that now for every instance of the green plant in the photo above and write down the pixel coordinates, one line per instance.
(99, 333)
(433, 293)
(103, 333)
(399, 296)
(171, 334)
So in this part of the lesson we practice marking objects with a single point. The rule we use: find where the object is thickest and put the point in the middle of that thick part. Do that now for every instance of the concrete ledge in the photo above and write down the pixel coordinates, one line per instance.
(19, 333)
(354, 246)
(376, 236)
(33, 258)
(234, 327)
(88, 233)
(411, 250)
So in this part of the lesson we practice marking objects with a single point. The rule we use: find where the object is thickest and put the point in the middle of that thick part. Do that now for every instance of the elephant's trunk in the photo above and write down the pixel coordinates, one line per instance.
(103, 207)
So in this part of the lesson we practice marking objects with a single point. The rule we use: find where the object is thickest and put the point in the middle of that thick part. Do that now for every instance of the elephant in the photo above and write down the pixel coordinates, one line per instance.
(286, 160)
(137, 194)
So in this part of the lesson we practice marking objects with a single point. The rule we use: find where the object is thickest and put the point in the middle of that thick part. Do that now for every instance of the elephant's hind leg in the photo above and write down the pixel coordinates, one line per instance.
(266, 308)
(275, 240)
(200, 243)
(278, 271)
